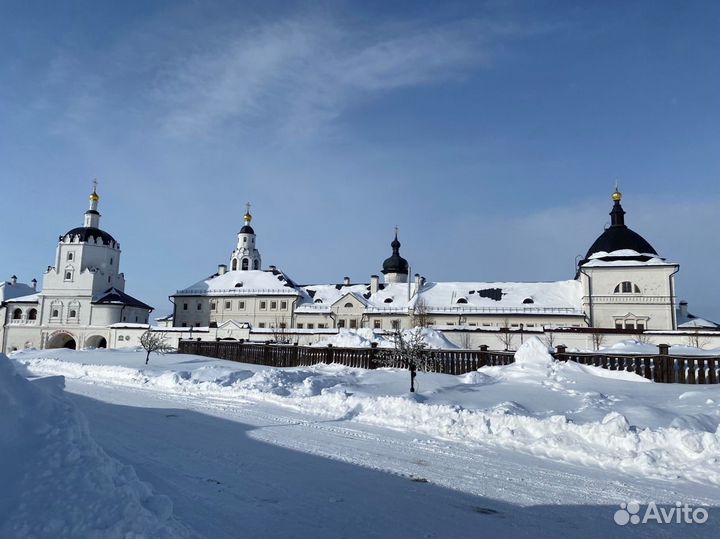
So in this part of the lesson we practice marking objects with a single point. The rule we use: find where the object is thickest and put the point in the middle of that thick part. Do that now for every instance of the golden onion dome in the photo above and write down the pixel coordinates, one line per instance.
(248, 217)
(94, 197)
(617, 196)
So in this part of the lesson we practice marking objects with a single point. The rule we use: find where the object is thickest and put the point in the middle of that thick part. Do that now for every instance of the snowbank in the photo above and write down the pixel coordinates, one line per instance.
(364, 337)
(56, 480)
(558, 410)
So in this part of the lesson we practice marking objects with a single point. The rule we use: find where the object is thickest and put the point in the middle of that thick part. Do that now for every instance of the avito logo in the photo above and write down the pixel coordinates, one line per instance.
(629, 513)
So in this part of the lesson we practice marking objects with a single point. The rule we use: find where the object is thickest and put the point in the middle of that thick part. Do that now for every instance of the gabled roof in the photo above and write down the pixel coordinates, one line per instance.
(113, 296)
(243, 283)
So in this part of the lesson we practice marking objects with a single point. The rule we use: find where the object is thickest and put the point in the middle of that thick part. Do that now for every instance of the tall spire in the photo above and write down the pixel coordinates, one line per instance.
(92, 216)
(247, 217)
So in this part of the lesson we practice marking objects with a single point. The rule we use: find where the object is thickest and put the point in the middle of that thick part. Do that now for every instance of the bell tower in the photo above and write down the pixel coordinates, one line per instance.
(245, 256)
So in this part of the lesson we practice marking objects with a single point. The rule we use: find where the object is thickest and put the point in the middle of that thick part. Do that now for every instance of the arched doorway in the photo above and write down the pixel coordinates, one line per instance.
(96, 341)
(62, 340)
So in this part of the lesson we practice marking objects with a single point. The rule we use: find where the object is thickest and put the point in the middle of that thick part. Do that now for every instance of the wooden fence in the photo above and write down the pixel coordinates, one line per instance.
(661, 367)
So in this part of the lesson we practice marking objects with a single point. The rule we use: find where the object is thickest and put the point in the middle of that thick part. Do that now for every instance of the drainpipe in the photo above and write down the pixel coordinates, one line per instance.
(592, 318)
(672, 298)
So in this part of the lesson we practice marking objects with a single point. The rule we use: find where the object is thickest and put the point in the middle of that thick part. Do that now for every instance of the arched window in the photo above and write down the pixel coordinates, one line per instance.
(528, 301)
(256, 264)
(388, 300)
(626, 287)
(73, 313)
(17, 314)
(55, 313)
(461, 300)
(68, 275)
(245, 264)
(234, 264)
(32, 315)
(348, 305)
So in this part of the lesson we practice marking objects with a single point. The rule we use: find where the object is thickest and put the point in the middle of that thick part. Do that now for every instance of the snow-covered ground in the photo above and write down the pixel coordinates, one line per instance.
(364, 337)
(537, 448)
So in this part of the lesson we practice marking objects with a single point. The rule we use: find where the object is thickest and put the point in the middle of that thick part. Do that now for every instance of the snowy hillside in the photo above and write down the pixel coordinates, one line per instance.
(56, 481)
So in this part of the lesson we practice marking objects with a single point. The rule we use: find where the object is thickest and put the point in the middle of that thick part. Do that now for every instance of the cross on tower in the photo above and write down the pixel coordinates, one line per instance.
(247, 207)
(94, 184)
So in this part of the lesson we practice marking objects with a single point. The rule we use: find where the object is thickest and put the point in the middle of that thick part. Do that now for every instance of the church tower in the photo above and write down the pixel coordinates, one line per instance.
(246, 256)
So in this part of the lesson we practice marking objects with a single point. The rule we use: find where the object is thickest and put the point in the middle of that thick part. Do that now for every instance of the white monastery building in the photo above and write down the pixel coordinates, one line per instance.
(622, 283)
(82, 299)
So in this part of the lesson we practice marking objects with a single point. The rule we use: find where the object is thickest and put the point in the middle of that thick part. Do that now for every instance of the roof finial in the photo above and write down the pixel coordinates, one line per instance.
(248, 216)
(94, 197)
(397, 229)
(617, 195)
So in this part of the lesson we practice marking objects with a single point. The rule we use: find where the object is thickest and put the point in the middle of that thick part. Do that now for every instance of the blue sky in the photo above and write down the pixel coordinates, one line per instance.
(490, 132)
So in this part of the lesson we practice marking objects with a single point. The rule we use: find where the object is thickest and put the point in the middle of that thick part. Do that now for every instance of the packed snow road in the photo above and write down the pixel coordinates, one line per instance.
(242, 467)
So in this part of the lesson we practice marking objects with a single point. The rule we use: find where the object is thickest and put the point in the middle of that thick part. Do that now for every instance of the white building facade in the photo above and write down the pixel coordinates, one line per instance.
(82, 296)
(621, 284)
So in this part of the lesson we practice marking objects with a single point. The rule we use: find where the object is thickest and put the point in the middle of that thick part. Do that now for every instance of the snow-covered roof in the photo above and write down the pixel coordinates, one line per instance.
(10, 291)
(625, 257)
(562, 297)
(243, 283)
(690, 321)
(114, 296)
(32, 298)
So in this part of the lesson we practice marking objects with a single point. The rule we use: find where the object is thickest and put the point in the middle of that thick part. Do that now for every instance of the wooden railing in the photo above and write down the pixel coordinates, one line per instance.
(661, 367)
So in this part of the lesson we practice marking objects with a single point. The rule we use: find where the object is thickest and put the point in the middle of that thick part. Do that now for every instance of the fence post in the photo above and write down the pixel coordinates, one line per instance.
(266, 354)
(665, 369)
(329, 354)
(560, 352)
(296, 354)
(483, 356)
(373, 355)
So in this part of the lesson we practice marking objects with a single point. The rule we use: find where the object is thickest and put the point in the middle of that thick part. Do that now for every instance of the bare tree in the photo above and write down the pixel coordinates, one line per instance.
(696, 340)
(464, 340)
(154, 341)
(643, 338)
(279, 331)
(411, 351)
(549, 338)
(420, 318)
(505, 336)
(598, 339)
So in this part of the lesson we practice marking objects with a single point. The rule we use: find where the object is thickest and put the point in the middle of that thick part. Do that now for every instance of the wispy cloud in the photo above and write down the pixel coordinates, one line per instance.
(297, 75)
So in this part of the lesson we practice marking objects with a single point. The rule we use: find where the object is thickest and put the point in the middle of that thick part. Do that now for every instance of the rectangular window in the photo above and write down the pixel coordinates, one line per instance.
(321, 326)
(228, 305)
(641, 325)
(121, 338)
(377, 324)
(629, 325)
(273, 305)
(627, 287)
(263, 304)
(184, 306)
(396, 324)
(283, 305)
(261, 325)
(184, 324)
(618, 325)
(300, 326)
(282, 325)
(212, 305)
(241, 305)
(311, 326)
(70, 256)
(341, 323)
(353, 323)
(199, 306)
(197, 324)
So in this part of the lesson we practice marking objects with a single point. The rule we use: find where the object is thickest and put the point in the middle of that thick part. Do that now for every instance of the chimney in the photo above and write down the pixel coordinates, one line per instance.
(346, 281)
(418, 282)
(34, 283)
(13, 280)
(683, 309)
(374, 281)
(222, 268)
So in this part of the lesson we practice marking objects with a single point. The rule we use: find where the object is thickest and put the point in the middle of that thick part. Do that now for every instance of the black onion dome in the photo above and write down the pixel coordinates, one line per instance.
(87, 232)
(396, 263)
(619, 237)
(247, 229)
